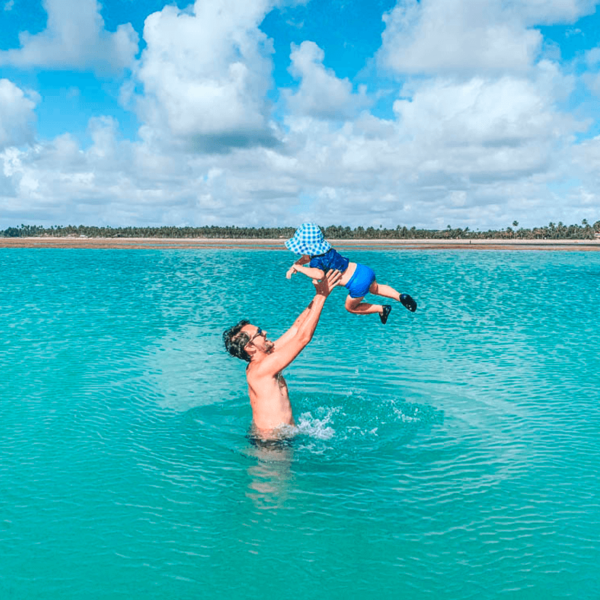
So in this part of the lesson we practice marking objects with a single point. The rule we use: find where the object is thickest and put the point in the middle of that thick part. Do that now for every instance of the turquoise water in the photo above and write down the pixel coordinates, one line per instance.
(451, 454)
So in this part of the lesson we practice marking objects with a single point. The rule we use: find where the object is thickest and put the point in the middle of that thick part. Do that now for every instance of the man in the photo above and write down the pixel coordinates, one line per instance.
(267, 388)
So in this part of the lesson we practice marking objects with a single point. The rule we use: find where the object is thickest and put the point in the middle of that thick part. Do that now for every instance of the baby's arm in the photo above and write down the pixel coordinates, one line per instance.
(309, 272)
(301, 261)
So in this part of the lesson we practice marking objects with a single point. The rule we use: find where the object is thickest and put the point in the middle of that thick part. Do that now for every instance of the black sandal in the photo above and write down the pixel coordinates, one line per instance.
(408, 302)
(387, 309)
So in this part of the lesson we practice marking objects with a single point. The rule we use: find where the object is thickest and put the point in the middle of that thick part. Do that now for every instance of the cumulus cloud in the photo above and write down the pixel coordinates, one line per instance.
(483, 113)
(586, 158)
(456, 36)
(592, 57)
(116, 181)
(74, 38)
(471, 151)
(480, 140)
(477, 152)
(592, 81)
(205, 73)
(321, 94)
(470, 36)
(547, 12)
(16, 115)
(591, 78)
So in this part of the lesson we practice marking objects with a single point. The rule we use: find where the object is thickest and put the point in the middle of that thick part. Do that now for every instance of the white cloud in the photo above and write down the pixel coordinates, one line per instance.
(8, 5)
(586, 156)
(205, 74)
(74, 38)
(466, 37)
(456, 37)
(546, 12)
(591, 78)
(474, 151)
(321, 93)
(592, 57)
(482, 152)
(117, 182)
(480, 142)
(592, 81)
(16, 115)
(486, 113)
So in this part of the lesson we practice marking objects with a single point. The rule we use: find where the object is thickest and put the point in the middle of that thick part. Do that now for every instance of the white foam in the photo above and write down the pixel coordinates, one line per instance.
(317, 428)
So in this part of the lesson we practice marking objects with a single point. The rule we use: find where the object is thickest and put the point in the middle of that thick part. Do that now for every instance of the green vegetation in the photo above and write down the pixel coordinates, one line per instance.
(551, 231)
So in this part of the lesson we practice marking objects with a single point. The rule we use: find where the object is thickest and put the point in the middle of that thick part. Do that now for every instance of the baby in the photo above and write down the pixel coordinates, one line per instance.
(359, 279)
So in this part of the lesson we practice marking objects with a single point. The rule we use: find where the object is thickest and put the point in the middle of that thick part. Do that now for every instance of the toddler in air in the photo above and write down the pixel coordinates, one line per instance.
(318, 257)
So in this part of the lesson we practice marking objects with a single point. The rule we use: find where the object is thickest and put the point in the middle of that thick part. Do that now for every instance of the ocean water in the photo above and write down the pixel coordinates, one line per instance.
(451, 454)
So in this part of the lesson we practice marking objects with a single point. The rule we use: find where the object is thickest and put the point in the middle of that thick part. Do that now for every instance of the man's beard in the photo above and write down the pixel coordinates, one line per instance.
(269, 347)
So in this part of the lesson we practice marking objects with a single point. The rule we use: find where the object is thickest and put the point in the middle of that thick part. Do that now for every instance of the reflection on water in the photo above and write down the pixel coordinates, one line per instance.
(270, 475)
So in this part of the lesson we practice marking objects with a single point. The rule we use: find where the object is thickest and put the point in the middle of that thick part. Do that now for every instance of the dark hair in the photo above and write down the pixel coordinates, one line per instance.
(236, 340)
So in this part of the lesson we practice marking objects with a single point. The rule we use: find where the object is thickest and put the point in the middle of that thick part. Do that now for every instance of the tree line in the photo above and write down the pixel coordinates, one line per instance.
(552, 231)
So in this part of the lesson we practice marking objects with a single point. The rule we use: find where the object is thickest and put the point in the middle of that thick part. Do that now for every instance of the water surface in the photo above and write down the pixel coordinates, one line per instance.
(450, 454)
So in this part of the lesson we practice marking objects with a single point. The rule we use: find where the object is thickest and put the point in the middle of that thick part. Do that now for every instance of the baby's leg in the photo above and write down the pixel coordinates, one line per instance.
(357, 307)
(387, 291)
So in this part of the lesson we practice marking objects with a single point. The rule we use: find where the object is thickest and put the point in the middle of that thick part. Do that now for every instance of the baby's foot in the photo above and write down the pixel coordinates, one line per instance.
(408, 302)
(387, 309)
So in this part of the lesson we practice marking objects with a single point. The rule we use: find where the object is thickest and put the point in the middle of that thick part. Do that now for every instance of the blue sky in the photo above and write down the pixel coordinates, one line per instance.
(269, 112)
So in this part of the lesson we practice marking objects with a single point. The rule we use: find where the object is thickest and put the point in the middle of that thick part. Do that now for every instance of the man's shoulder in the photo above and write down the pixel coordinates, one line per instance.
(261, 369)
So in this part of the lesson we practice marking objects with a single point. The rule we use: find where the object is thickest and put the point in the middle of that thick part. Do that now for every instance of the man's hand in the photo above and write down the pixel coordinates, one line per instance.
(290, 272)
(326, 285)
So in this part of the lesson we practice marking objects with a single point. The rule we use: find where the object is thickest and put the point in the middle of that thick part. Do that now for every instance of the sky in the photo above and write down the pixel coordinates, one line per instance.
(468, 113)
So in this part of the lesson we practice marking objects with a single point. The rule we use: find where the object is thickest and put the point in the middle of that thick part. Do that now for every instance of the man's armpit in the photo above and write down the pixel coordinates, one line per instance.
(280, 359)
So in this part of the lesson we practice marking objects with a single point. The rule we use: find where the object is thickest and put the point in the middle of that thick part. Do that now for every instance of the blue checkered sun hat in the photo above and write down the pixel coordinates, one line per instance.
(308, 239)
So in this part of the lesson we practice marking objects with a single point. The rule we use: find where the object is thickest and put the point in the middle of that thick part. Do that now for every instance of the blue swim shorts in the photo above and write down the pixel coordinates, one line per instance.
(361, 281)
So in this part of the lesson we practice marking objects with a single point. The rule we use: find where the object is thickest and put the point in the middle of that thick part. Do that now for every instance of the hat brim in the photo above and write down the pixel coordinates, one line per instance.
(295, 246)
(301, 247)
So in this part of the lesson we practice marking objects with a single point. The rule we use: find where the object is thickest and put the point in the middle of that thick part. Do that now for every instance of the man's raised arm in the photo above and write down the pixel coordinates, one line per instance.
(290, 344)
(293, 330)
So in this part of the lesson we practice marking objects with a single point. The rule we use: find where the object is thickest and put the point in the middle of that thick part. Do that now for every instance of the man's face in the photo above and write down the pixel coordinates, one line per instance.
(258, 339)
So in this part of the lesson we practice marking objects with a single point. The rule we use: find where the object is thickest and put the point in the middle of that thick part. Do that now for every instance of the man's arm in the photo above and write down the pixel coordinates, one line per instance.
(293, 330)
(284, 353)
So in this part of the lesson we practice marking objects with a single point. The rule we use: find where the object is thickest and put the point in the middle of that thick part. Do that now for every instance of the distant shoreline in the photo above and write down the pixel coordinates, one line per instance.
(277, 244)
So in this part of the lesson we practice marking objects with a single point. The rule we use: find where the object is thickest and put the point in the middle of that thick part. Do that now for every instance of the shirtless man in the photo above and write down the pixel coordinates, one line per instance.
(267, 388)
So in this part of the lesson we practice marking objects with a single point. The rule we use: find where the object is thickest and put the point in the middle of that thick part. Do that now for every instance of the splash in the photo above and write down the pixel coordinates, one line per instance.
(320, 429)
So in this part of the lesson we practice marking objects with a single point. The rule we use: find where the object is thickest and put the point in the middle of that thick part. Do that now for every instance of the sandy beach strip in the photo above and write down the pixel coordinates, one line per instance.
(277, 244)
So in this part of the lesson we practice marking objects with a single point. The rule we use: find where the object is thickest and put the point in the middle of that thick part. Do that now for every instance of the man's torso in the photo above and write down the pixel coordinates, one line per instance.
(269, 399)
